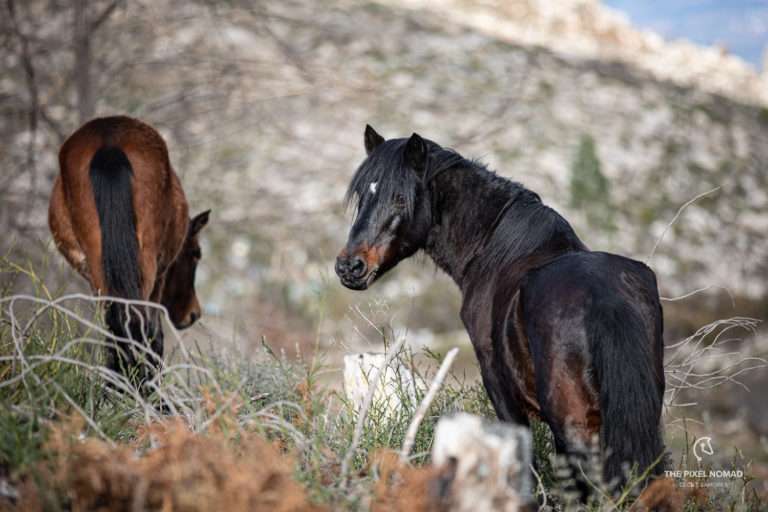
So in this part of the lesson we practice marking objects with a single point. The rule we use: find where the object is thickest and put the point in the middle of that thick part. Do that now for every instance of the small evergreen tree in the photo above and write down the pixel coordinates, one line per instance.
(590, 189)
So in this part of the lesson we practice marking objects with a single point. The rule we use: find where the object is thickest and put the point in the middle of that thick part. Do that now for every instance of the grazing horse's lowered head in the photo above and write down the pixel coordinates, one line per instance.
(393, 207)
(179, 295)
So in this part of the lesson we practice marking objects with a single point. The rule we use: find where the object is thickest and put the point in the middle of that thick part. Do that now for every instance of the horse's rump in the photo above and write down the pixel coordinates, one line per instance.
(603, 310)
(118, 184)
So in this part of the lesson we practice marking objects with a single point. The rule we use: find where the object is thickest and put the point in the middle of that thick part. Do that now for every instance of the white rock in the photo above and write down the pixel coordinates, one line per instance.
(491, 463)
(396, 386)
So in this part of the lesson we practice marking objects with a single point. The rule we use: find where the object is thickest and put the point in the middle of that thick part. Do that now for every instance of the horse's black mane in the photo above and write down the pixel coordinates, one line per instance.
(386, 167)
(520, 223)
(522, 226)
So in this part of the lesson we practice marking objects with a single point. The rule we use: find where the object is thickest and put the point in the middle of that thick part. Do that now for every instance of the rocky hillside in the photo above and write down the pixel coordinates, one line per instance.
(526, 110)
(586, 28)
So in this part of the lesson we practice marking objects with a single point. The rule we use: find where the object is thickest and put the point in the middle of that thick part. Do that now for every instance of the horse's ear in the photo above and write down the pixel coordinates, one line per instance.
(372, 139)
(416, 153)
(198, 222)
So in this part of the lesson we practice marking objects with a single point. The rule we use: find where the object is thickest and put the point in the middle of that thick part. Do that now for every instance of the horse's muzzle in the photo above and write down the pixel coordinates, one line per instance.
(354, 273)
(189, 321)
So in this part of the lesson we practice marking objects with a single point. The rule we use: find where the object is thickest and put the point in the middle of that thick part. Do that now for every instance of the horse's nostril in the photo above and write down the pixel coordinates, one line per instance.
(340, 266)
(357, 266)
(193, 317)
(351, 267)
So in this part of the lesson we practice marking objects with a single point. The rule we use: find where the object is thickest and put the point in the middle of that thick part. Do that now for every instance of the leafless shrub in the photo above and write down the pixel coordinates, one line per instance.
(706, 359)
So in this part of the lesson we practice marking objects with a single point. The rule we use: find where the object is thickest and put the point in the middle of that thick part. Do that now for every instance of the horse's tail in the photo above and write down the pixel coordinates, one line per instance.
(111, 176)
(111, 179)
(631, 393)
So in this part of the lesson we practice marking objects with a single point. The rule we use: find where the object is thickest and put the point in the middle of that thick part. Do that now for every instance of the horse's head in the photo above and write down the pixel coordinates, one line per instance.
(179, 296)
(393, 212)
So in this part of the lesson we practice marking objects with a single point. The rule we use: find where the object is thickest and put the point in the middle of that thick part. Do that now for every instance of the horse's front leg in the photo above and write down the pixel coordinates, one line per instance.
(502, 390)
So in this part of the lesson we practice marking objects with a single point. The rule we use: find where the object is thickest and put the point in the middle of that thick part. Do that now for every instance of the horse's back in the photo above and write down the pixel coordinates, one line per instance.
(599, 276)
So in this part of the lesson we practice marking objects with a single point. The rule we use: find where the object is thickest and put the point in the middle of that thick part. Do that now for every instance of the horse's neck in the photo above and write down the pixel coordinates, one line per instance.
(470, 205)
(467, 207)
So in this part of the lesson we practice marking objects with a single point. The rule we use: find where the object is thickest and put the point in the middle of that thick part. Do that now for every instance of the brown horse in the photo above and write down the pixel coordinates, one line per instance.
(119, 216)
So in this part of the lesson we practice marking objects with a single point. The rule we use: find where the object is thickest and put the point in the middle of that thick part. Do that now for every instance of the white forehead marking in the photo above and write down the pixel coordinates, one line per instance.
(373, 187)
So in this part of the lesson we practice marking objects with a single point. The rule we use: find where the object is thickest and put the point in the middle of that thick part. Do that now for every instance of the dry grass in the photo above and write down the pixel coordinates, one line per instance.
(403, 487)
(219, 432)
(167, 467)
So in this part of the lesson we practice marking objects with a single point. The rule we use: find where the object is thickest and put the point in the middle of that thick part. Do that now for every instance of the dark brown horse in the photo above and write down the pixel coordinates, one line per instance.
(119, 216)
(562, 333)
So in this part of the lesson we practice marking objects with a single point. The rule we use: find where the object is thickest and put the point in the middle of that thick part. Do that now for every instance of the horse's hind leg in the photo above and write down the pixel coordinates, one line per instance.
(139, 356)
(120, 354)
(146, 328)
(569, 404)
(156, 342)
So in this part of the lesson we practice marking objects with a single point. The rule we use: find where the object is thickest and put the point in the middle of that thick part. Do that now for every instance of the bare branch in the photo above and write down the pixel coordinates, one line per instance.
(418, 417)
(104, 15)
(34, 95)
(674, 219)
(700, 363)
